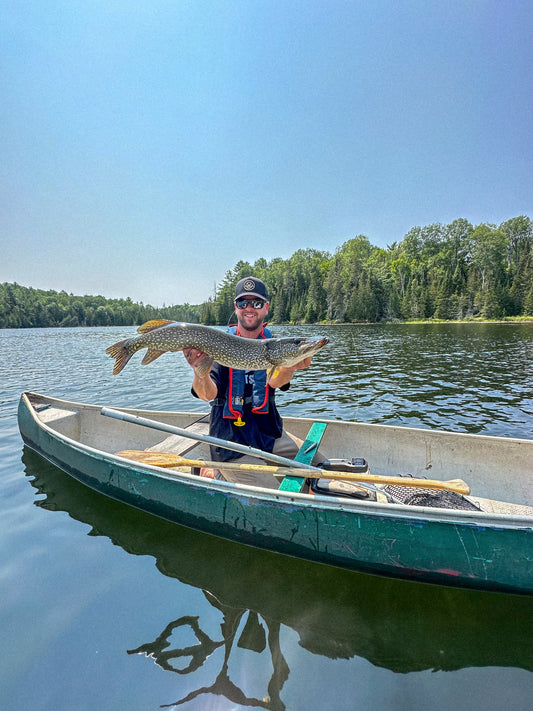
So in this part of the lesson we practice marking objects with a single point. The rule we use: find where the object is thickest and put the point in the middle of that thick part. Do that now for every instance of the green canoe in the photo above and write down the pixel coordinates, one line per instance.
(487, 545)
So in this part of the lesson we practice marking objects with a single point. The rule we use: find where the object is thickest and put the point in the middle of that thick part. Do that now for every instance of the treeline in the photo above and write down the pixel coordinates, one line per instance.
(23, 307)
(449, 272)
(454, 271)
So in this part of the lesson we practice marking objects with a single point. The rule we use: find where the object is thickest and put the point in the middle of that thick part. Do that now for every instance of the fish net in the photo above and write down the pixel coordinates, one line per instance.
(435, 498)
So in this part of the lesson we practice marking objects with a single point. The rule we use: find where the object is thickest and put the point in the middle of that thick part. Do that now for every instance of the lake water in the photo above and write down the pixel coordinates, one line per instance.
(105, 608)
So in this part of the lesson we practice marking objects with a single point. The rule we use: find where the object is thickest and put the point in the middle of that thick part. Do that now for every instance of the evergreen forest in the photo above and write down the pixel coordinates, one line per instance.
(23, 307)
(447, 272)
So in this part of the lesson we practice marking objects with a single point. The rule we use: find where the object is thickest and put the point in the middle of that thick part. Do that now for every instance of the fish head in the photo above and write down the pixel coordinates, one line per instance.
(291, 350)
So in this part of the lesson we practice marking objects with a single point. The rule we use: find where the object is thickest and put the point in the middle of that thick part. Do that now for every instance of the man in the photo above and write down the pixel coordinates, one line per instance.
(243, 403)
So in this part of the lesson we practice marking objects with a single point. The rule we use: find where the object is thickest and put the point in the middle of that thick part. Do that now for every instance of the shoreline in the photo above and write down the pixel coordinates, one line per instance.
(511, 320)
(514, 320)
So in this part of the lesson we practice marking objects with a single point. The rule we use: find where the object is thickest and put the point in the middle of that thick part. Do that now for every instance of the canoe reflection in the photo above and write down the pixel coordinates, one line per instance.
(400, 625)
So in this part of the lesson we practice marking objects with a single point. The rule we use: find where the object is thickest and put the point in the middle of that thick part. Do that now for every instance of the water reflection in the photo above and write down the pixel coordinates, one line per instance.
(394, 624)
(252, 637)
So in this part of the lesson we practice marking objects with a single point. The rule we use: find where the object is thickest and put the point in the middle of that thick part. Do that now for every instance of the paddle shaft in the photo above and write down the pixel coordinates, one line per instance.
(456, 485)
(174, 460)
(234, 446)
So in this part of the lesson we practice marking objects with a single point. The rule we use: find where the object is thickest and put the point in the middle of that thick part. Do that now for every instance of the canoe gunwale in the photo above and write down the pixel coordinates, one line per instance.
(362, 425)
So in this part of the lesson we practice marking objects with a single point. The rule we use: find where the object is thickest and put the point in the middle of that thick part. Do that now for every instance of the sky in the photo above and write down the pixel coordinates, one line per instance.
(147, 147)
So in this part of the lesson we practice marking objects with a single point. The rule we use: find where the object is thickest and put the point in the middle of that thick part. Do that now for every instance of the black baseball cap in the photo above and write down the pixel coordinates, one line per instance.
(250, 286)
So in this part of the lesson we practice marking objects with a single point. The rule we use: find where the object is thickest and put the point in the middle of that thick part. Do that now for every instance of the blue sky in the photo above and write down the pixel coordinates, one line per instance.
(146, 147)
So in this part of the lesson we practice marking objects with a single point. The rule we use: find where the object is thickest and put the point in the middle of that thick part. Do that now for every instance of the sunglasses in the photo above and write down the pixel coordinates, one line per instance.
(254, 303)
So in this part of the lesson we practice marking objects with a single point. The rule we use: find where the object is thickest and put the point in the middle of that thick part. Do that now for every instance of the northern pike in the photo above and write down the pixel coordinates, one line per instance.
(231, 351)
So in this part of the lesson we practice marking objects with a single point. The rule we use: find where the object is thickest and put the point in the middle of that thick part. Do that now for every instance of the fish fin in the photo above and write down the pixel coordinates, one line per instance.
(151, 355)
(153, 324)
(121, 353)
(204, 366)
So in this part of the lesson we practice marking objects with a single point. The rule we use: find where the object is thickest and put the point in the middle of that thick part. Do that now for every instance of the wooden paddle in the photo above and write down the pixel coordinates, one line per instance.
(168, 460)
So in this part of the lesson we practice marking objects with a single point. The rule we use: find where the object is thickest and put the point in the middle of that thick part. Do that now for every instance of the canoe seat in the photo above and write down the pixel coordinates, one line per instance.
(66, 422)
(178, 444)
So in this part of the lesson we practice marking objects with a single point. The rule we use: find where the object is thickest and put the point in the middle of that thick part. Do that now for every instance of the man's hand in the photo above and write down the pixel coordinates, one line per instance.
(283, 374)
(305, 363)
(194, 357)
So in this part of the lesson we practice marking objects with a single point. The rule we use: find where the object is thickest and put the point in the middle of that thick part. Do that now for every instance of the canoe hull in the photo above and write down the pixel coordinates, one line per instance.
(450, 548)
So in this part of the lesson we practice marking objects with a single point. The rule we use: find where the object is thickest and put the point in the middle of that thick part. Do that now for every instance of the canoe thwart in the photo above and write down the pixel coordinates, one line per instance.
(305, 456)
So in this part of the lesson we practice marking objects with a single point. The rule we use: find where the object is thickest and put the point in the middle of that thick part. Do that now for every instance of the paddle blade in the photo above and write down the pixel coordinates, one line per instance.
(155, 459)
(457, 485)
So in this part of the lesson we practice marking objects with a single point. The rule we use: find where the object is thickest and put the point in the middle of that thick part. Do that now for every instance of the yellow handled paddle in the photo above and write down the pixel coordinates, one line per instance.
(169, 460)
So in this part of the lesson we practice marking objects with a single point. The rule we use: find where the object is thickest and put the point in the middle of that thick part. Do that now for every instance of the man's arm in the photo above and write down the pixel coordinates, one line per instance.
(204, 386)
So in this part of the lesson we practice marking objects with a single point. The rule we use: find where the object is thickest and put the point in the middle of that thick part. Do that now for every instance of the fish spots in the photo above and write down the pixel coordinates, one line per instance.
(226, 348)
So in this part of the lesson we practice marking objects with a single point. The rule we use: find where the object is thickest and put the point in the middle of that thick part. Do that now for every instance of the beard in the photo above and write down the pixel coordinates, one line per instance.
(250, 325)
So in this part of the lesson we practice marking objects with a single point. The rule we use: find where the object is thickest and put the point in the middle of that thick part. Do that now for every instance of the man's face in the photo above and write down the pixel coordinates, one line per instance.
(251, 318)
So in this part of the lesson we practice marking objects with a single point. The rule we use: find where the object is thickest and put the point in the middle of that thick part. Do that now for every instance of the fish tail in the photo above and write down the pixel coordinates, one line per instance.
(121, 352)
(153, 324)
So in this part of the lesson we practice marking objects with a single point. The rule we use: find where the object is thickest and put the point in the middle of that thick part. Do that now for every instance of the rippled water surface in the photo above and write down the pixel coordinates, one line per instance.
(107, 608)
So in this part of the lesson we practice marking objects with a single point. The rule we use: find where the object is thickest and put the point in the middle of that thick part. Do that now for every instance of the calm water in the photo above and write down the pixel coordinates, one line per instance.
(106, 608)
